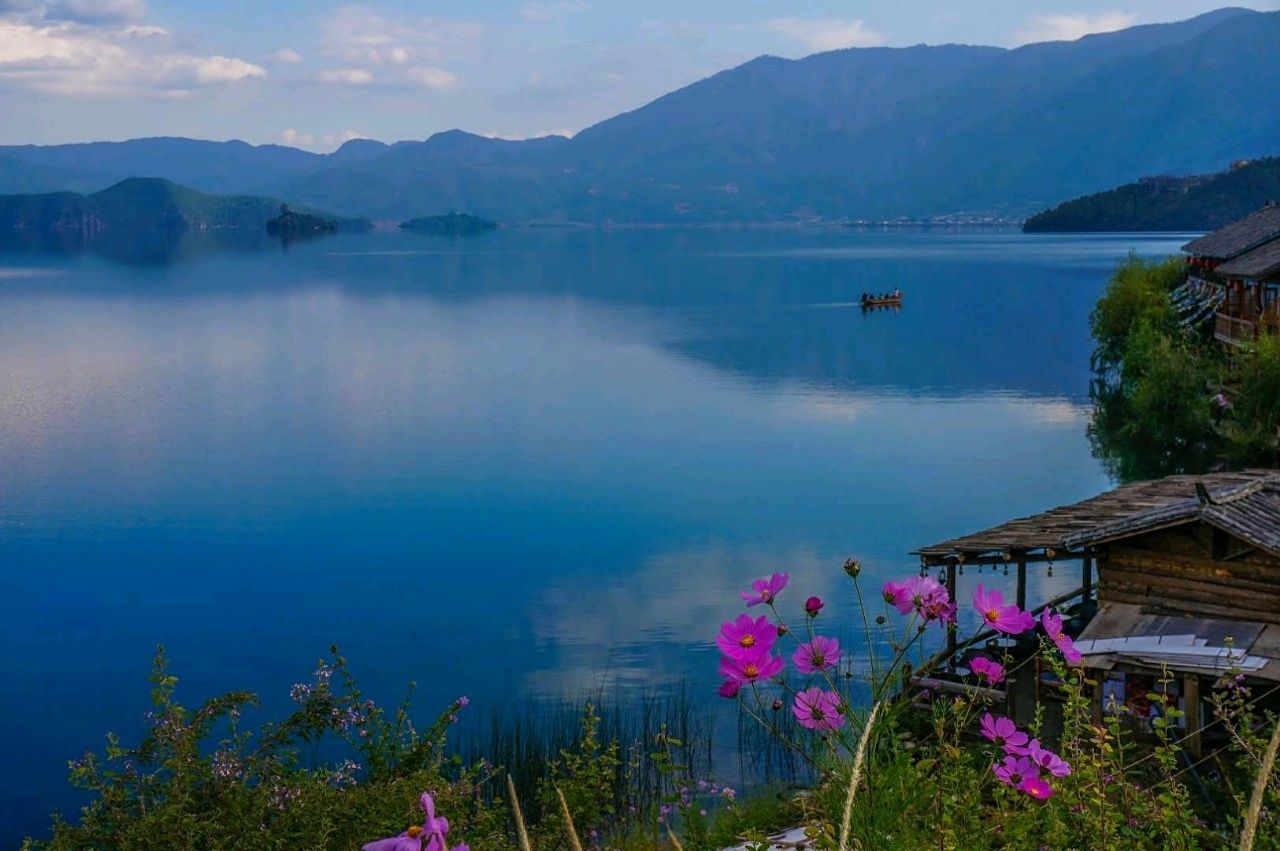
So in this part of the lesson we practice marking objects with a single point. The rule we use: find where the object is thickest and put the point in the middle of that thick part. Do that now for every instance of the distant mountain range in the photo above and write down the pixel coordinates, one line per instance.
(141, 204)
(1192, 203)
(859, 133)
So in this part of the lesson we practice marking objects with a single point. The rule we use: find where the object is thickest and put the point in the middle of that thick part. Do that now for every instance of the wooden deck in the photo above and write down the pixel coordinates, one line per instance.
(1236, 331)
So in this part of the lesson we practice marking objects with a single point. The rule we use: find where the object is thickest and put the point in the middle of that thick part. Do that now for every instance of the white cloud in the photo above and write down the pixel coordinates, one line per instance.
(346, 76)
(546, 10)
(434, 78)
(360, 36)
(77, 59)
(287, 54)
(1072, 27)
(825, 33)
(225, 69)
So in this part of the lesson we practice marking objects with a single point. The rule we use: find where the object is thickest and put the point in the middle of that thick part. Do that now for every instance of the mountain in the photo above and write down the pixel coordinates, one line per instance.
(138, 204)
(1168, 203)
(860, 133)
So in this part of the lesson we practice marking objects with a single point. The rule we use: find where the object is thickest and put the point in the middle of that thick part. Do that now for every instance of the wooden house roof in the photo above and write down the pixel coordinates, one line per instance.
(1067, 527)
(1233, 239)
(1249, 511)
(1257, 263)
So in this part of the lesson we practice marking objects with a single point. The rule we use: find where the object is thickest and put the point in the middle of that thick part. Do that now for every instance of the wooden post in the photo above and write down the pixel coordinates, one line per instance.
(1022, 583)
(1095, 699)
(951, 628)
(1086, 578)
(1191, 710)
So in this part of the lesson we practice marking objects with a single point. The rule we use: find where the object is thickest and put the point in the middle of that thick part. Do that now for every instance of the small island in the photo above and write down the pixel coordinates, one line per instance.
(451, 224)
(296, 223)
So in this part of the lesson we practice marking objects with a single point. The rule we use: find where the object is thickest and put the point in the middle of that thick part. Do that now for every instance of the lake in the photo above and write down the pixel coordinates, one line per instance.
(519, 466)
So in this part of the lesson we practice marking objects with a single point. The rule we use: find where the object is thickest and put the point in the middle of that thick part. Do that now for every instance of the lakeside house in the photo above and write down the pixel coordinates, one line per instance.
(1239, 264)
(1179, 580)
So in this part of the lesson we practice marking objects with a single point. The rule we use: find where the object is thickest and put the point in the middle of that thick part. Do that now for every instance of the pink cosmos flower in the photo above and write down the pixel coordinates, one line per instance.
(989, 671)
(1047, 759)
(729, 688)
(1015, 770)
(818, 710)
(430, 837)
(1003, 732)
(742, 634)
(1036, 787)
(812, 606)
(750, 667)
(817, 655)
(765, 590)
(1007, 619)
(897, 594)
(1052, 624)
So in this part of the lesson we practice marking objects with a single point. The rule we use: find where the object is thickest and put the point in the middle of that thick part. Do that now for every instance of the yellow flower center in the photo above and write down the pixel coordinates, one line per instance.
(747, 641)
(414, 832)
(992, 615)
(751, 670)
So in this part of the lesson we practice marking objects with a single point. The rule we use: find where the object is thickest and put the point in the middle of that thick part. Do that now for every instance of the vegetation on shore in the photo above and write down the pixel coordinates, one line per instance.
(151, 205)
(450, 224)
(1169, 399)
(892, 767)
(1194, 203)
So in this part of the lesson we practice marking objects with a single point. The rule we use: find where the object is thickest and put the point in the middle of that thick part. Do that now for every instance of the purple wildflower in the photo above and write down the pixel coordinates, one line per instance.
(765, 590)
(818, 710)
(747, 668)
(1014, 770)
(745, 635)
(990, 671)
(817, 655)
(813, 605)
(1003, 732)
(1052, 624)
(729, 688)
(1007, 619)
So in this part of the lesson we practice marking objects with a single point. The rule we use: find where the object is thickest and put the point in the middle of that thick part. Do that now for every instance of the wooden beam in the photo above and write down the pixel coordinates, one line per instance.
(1086, 578)
(952, 589)
(938, 559)
(1022, 582)
(1191, 710)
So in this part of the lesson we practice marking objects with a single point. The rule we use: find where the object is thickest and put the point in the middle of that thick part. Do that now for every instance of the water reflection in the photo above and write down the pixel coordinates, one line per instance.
(534, 463)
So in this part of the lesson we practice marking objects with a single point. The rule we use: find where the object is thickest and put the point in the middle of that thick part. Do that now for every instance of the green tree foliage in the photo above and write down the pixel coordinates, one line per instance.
(1138, 292)
(1256, 411)
(1165, 381)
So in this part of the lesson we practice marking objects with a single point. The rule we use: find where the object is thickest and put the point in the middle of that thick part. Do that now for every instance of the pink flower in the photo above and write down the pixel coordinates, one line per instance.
(1047, 759)
(742, 634)
(748, 668)
(897, 594)
(1052, 624)
(430, 837)
(818, 710)
(1002, 731)
(817, 655)
(729, 688)
(812, 606)
(1007, 619)
(1036, 787)
(1015, 770)
(990, 671)
(765, 590)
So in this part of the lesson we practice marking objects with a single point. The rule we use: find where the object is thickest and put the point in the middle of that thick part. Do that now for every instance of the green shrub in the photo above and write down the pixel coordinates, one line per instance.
(1138, 292)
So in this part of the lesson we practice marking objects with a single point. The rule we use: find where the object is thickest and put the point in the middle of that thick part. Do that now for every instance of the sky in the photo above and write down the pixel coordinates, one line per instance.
(313, 73)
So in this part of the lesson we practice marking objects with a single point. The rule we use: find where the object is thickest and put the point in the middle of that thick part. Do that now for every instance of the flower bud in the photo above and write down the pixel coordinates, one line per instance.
(782, 629)
(852, 567)
(777, 705)
(813, 605)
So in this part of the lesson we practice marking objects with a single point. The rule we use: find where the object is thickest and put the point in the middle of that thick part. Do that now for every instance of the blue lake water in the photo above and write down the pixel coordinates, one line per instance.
(520, 465)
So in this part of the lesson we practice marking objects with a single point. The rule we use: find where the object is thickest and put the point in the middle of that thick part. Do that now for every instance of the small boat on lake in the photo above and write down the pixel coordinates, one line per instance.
(893, 299)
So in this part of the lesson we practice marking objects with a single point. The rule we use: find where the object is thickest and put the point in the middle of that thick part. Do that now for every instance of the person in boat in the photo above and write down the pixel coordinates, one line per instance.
(897, 293)
(865, 296)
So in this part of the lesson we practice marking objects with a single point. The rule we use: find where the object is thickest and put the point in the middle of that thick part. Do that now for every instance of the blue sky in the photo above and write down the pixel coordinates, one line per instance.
(314, 73)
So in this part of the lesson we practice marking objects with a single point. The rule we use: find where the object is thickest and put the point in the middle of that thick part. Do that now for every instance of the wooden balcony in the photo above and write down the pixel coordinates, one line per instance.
(1237, 331)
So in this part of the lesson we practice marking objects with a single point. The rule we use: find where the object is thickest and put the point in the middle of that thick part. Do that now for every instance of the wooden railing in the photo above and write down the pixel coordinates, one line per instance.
(1236, 332)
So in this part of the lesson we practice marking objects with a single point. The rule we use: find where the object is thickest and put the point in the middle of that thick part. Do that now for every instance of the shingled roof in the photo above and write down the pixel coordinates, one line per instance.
(1067, 528)
(1232, 240)
(1250, 512)
(1258, 263)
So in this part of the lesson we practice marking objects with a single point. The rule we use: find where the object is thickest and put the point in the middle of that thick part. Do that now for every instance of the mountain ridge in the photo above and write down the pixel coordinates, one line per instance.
(858, 132)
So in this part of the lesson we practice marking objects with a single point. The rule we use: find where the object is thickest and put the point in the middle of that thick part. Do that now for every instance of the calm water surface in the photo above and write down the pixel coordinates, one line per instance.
(523, 465)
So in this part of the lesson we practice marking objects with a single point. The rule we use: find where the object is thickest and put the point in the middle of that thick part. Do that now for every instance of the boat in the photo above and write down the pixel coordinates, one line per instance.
(894, 300)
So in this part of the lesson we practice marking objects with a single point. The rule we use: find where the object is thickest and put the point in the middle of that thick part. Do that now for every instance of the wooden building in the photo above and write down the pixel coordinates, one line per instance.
(1239, 259)
(1252, 303)
(1180, 573)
